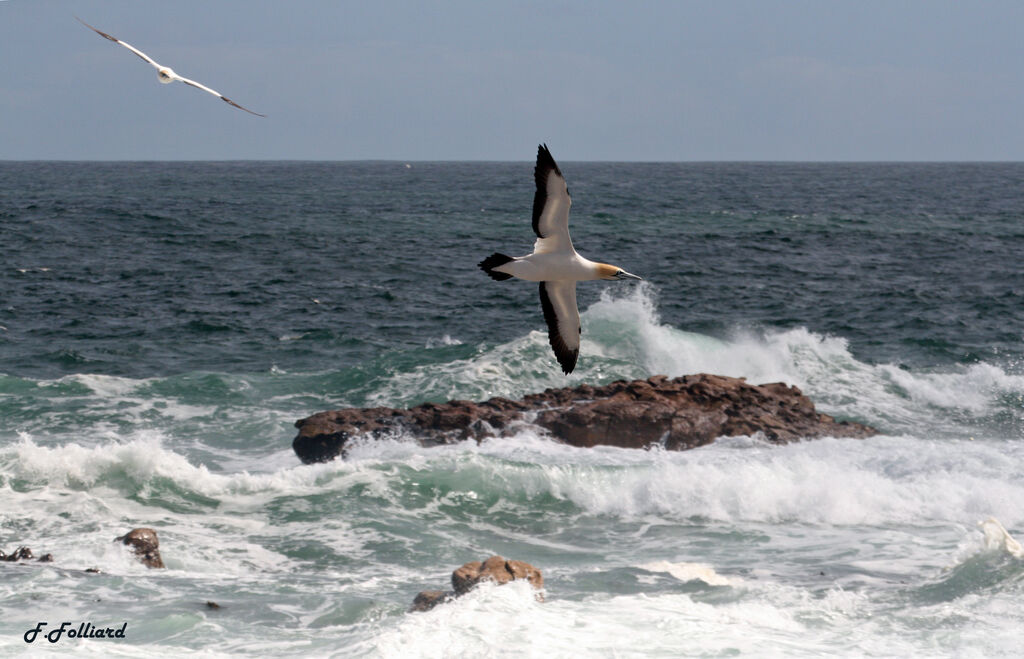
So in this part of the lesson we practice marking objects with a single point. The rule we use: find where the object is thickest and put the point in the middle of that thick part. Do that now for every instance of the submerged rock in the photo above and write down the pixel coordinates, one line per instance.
(677, 414)
(145, 544)
(143, 541)
(428, 599)
(496, 569)
(23, 554)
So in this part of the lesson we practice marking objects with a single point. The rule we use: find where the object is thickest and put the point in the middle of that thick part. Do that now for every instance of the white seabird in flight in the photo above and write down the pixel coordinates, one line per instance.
(165, 74)
(554, 262)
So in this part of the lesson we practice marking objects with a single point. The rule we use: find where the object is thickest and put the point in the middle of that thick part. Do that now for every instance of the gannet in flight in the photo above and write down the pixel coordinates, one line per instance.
(554, 262)
(165, 74)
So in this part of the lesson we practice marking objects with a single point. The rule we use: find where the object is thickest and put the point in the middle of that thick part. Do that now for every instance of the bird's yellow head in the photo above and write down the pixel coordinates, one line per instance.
(606, 271)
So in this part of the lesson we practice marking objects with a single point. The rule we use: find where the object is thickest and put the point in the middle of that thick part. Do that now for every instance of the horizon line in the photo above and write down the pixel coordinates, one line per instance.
(487, 160)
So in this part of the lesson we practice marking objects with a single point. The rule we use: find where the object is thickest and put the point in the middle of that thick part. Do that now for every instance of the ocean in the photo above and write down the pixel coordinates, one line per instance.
(163, 325)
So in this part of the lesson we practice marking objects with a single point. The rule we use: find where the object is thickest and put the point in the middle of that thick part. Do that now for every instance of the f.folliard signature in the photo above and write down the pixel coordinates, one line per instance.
(83, 630)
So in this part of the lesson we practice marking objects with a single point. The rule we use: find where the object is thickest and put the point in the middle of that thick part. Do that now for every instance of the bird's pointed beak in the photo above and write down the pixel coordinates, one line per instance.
(622, 274)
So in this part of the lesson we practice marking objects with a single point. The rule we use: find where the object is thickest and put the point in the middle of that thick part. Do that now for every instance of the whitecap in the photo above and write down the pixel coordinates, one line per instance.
(685, 572)
(997, 538)
(445, 340)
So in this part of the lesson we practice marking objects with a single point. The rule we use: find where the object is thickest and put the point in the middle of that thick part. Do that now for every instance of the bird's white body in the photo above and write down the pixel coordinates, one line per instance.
(554, 262)
(552, 266)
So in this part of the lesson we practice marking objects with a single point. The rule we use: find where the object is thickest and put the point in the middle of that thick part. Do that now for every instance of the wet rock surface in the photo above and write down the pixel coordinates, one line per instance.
(495, 568)
(143, 541)
(24, 554)
(428, 599)
(678, 414)
(145, 544)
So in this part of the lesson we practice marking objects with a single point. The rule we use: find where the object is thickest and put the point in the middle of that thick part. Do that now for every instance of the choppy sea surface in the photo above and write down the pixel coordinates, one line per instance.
(162, 326)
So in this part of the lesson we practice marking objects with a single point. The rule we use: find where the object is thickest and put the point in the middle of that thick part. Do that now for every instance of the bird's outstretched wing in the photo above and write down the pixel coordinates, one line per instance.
(116, 40)
(222, 97)
(558, 300)
(177, 77)
(551, 204)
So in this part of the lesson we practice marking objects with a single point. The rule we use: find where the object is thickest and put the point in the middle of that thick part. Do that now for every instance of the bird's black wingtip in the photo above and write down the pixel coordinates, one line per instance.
(566, 358)
(545, 160)
(489, 264)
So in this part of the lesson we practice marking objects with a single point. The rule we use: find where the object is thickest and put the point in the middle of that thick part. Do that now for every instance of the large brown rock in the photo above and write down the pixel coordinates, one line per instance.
(497, 569)
(680, 413)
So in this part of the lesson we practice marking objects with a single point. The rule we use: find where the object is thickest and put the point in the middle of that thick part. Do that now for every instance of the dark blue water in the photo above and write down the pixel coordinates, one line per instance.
(143, 269)
(162, 325)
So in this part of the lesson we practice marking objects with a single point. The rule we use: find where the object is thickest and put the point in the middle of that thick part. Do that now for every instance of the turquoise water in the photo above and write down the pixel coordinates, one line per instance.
(162, 325)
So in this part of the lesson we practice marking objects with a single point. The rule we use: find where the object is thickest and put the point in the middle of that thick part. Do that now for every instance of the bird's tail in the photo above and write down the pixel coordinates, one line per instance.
(493, 261)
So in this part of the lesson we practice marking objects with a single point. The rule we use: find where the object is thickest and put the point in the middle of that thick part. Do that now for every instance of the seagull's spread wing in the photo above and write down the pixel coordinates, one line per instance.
(558, 300)
(116, 40)
(175, 76)
(217, 94)
(551, 205)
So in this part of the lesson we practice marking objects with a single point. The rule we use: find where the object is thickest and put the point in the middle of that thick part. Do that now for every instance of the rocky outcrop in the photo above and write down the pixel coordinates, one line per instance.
(143, 541)
(678, 414)
(145, 544)
(497, 569)
(24, 554)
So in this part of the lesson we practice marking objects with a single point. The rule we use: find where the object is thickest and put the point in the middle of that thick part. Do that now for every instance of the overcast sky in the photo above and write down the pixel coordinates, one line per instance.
(489, 80)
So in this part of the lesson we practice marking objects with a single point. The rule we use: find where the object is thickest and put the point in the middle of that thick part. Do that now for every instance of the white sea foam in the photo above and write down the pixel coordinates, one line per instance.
(888, 480)
(80, 466)
(971, 389)
(106, 386)
(684, 571)
(210, 523)
(770, 621)
(884, 480)
(445, 340)
(505, 621)
(997, 538)
(135, 461)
